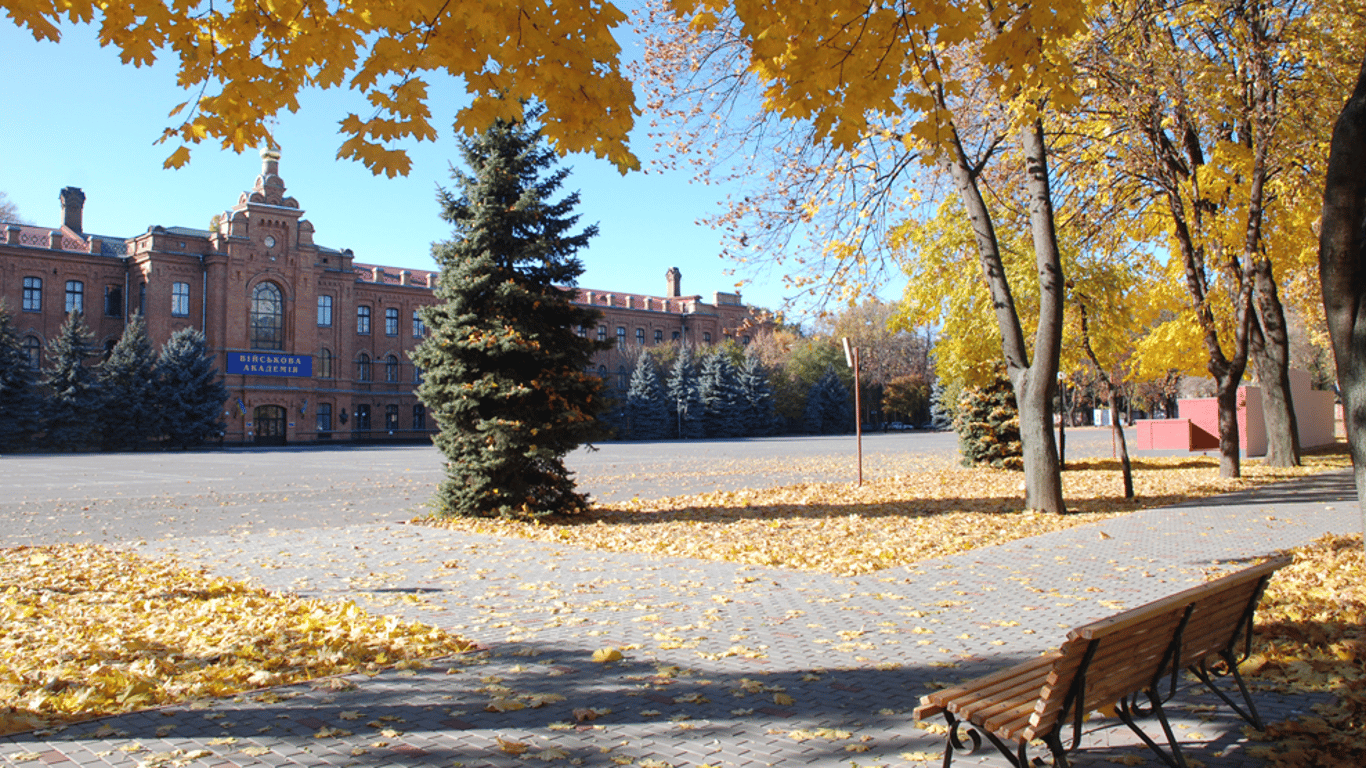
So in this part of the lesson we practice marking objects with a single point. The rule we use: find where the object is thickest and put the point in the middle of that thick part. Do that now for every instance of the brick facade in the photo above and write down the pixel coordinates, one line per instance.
(258, 285)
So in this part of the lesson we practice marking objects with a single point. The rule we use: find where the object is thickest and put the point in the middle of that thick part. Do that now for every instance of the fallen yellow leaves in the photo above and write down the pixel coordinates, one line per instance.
(843, 529)
(1312, 631)
(92, 631)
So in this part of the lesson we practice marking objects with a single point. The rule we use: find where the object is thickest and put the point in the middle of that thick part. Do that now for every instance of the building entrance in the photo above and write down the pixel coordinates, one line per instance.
(269, 421)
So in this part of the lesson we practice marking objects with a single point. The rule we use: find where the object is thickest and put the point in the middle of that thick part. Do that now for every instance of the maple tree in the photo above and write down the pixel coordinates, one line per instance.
(1342, 268)
(246, 63)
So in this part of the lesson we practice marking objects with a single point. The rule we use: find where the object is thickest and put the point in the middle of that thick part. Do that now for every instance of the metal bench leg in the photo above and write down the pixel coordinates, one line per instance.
(1207, 677)
(1127, 708)
(954, 740)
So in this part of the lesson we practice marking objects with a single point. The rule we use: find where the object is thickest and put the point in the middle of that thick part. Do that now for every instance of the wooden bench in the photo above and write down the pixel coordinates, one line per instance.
(1110, 663)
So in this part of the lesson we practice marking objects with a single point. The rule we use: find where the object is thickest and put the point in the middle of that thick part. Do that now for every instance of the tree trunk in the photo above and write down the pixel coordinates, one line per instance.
(1035, 387)
(1342, 270)
(1033, 383)
(1230, 453)
(1118, 430)
(1270, 349)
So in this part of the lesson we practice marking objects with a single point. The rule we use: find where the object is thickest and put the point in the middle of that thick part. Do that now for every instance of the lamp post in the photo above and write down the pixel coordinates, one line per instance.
(851, 357)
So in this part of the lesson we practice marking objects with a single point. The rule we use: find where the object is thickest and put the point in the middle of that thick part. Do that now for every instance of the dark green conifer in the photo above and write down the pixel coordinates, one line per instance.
(648, 409)
(688, 411)
(71, 419)
(720, 394)
(504, 373)
(756, 393)
(988, 424)
(828, 410)
(131, 406)
(190, 391)
(20, 405)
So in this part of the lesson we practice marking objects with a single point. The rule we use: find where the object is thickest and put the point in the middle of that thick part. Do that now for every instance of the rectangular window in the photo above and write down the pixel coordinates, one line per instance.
(75, 296)
(362, 418)
(640, 336)
(419, 417)
(676, 336)
(706, 338)
(391, 418)
(602, 333)
(180, 299)
(325, 363)
(33, 294)
(324, 311)
(621, 337)
(142, 299)
(391, 321)
(419, 328)
(324, 417)
(363, 321)
(659, 336)
(113, 301)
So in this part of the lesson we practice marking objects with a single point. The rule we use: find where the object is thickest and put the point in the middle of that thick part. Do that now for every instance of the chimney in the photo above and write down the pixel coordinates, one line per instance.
(73, 204)
(674, 279)
(405, 277)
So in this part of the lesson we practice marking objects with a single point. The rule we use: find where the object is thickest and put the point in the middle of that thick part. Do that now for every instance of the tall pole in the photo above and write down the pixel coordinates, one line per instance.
(858, 416)
(851, 357)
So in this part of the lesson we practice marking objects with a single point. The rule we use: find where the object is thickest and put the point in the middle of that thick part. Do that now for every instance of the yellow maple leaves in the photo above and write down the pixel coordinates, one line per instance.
(251, 62)
(897, 520)
(90, 630)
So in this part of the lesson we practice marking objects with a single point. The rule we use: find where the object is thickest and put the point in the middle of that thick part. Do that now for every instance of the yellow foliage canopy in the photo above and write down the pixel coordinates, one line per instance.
(250, 61)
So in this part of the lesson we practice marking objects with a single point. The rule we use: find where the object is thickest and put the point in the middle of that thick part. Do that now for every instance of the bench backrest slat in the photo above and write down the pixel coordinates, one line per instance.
(1132, 645)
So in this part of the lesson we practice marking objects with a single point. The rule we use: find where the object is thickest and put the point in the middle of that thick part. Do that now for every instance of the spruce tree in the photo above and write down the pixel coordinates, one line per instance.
(504, 373)
(720, 394)
(130, 410)
(688, 411)
(20, 405)
(828, 410)
(756, 393)
(72, 410)
(190, 391)
(647, 405)
(988, 426)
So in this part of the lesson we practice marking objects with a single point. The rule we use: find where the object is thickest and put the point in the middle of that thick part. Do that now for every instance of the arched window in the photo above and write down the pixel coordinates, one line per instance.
(267, 317)
(33, 348)
(391, 369)
(363, 367)
(325, 363)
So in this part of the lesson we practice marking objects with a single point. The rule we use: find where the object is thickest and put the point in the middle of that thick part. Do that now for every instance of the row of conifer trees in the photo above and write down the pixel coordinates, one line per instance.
(133, 399)
(709, 395)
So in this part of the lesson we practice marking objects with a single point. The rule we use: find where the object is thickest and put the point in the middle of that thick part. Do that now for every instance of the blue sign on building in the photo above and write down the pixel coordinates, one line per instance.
(269, 364)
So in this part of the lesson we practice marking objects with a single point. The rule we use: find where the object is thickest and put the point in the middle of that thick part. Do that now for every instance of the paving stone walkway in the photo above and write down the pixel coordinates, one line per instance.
(723, 664)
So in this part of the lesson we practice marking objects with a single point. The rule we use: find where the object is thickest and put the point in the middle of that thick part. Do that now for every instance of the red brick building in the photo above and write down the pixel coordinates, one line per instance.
(314, 346)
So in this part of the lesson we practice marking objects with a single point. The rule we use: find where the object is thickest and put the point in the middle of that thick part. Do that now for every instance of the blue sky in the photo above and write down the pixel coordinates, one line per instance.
(75, 116)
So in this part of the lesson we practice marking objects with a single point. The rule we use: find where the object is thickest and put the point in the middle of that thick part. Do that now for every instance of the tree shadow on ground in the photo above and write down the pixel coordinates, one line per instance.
(574, 709)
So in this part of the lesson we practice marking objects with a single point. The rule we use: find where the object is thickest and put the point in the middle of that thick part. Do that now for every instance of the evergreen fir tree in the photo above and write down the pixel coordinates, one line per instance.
(988, 426)
(71, 418)
(20, 405)
(828, 410)
(720, 394)
(504, 373)
(838, 404)
(189, 390)
(760, 414)
(130, 410)
(941, 407)
(688, 411)
(647, 406)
